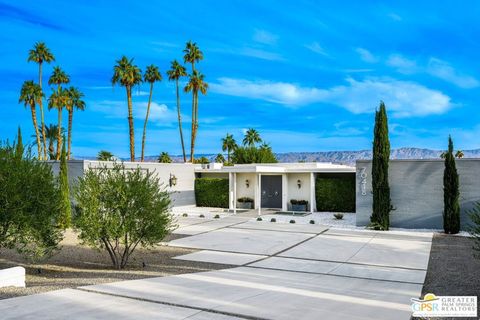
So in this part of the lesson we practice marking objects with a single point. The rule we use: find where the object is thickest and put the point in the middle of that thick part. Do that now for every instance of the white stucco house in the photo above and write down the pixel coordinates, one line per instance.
(272, 185)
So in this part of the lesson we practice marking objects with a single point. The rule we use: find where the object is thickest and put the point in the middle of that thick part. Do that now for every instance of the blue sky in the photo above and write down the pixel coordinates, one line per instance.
(307, 75)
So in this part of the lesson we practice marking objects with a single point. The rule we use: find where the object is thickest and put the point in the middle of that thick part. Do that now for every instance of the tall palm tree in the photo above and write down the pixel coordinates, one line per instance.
(58, 100)
(193, 54)
(175, 73)
(74, 101)
(251, 137)
(265, 147)
(128, 75)
(40, 54)
(151, 76)
(228, 144)
(195, 85)
(58, 78)
(30, 95)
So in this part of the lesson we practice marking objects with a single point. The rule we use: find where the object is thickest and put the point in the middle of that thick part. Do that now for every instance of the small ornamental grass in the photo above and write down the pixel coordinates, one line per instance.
(119, 209)
(292, 221)
(259, 219)
(216, 216)
(273, 220)
(312, 221)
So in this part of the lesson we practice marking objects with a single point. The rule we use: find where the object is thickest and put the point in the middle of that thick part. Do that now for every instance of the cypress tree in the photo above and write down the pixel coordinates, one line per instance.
(451, 193)
(19, 145)
(381, 154)
(65, 189)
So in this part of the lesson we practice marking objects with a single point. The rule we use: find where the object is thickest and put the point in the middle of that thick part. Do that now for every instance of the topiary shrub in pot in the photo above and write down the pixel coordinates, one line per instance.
(299, 205)
(245, 203)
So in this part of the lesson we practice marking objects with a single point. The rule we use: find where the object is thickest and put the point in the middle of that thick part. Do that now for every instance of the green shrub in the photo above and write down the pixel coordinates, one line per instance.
(338, 216)
(217, 216)
(185, 215)
(292, 221)
(30, 204)
(211, 192)
(201, 216)
(259, 219)
(273, 220)
(245, 199)
(119, 209)
(335, 193)
(299, 202)
(312, 221)
(474, 228)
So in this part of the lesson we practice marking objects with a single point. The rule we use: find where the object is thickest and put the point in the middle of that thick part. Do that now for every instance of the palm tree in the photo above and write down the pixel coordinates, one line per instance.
(59, 77)
(220, 158)
(74, 101)
(228, 144)
(104, 155)
(30, 95)
(196, 84)
(251, 137)
(128, 75)
(40, 54)
(177, 71)
(164, 158)
(192, 54)
(151, 76)
(459, 154)
(265, 147)
(58, 100)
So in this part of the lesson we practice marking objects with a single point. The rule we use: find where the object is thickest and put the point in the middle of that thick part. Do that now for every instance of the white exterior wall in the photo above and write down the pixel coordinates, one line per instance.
(294, 192)
(183, 193)
(242, 190)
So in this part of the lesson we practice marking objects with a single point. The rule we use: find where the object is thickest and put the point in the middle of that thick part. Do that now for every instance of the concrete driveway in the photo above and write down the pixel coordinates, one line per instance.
(284, 271)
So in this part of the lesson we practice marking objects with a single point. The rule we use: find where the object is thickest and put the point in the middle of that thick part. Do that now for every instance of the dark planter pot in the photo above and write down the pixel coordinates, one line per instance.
(299, 207)
(245, 205)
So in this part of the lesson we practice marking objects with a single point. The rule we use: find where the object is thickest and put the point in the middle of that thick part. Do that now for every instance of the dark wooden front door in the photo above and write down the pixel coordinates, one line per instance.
(271, 191)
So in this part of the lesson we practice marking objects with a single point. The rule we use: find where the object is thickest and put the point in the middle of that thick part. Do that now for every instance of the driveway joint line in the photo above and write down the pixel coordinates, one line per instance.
(333, 275)
(179, 305)
(286, 249)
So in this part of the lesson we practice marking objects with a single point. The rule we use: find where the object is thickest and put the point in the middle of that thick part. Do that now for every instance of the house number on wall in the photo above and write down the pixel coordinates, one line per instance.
(363, 181)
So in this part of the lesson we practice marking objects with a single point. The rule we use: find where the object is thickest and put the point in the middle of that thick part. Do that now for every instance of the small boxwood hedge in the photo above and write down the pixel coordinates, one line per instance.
(335, 193)
(211, 192)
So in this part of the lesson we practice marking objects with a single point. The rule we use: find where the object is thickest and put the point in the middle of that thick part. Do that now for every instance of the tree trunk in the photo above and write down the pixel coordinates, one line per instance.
(180, 123)
(192, 135)
(59, 133)
(145, 124)
(70, 120)
(42, 118)
(130, 124)
(35, 126)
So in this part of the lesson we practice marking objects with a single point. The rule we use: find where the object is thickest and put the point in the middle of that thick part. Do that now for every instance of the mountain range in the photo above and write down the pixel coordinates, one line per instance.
(341, 157)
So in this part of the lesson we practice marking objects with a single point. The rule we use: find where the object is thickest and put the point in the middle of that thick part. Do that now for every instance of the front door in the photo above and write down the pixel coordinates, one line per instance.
(271, 191)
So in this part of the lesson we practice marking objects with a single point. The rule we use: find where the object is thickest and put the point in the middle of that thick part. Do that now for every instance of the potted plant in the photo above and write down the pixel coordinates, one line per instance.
(245, 203)
(299, 205)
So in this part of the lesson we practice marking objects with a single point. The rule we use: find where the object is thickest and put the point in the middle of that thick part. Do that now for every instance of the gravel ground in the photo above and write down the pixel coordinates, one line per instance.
(75, 265)
(452, 268)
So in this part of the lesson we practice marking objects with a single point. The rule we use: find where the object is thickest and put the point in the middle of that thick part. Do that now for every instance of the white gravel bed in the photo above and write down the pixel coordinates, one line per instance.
(323, 218)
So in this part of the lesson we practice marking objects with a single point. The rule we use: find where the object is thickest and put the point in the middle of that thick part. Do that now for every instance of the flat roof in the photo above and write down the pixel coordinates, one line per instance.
(301, 167)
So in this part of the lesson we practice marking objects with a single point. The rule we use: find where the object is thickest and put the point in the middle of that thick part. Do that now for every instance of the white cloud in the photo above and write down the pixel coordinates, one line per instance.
(434, 67)
(443, 70)
(261, 54)
(317, 48)
(366, 55)
(265, 37)
(402, 64)
(160, 114)
(395, 17)
(403, 98)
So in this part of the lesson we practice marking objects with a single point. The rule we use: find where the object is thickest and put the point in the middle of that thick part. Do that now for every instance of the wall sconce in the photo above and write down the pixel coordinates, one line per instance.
(247, 183)
(172, 181)
(299, 184)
